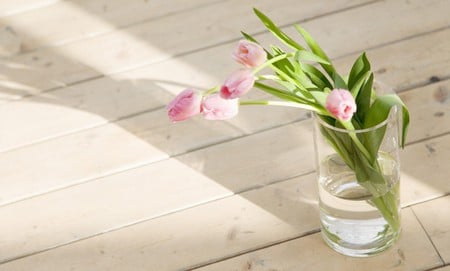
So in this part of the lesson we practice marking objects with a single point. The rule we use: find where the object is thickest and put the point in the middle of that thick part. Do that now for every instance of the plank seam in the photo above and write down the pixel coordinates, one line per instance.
(438, 267)
(237, 254)
(428, 236)
(427, 200)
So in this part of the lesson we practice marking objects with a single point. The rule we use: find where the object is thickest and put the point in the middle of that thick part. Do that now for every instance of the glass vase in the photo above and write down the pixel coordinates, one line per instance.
(358, 195)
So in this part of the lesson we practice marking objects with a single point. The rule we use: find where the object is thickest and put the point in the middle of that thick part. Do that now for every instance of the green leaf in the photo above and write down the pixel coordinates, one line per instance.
(300, 76)
(284, 64)
(380, 110)
(338, 81)
(315, 48)
(369, 175)
(359, 68)
(363, 99)
(277, 31)
(249, 37)
(320, 97)
(308, 56)
(358, 84)
(316, 76)
(372, 141)
(285, 95)
(292, 88)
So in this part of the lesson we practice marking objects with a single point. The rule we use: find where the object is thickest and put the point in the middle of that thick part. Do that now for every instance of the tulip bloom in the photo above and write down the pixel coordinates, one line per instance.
(216, 108)
(249, 54)
(237, 84)
(341, 104)
(185, 105)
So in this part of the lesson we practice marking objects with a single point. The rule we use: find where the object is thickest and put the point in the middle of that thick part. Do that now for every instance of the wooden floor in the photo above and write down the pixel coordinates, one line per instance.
(93, 176)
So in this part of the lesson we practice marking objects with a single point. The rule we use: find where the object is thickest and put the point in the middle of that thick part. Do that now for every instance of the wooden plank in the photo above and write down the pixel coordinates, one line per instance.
(83, 19)
(193, 236)
(434, 216)
(229, 227)
(258, 159)
(126, 198)
(100, 151)
(390, 60)
(413, 252)
(429, 109)
(94, 103)
(75, 108)
(161, 39)
(17, 6)
(425, 171)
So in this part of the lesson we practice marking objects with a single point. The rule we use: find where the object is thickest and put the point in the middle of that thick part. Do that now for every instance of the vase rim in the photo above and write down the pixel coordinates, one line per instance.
(391, 114)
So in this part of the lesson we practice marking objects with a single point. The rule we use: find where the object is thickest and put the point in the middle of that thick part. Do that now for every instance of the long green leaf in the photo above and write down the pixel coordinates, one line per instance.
(272, 27)
(356, 88)
(309, 56)
(380, 110)
(285, 95)
(316, 76)
(249, 37)
(315, 48)
(284, 64)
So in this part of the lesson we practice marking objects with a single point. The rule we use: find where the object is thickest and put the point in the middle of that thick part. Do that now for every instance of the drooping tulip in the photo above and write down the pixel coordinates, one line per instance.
(237, 84)
(185, 105)
(215, 107)
(249, 54)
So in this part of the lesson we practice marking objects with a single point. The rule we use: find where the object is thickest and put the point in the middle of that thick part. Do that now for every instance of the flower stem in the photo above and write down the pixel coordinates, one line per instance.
(282, 103)
(211, 91)
(349, 126)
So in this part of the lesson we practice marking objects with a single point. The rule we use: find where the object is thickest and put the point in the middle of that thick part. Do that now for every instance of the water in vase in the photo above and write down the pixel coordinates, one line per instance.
(351, 223)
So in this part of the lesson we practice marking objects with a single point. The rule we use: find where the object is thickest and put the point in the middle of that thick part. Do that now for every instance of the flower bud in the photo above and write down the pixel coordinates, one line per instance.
(237, 84)
(249, 54)
(216, 108)
(185, 105)
(341, 104)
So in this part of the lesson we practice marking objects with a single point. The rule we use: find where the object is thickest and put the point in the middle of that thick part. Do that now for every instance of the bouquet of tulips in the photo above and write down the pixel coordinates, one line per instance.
(306, 79)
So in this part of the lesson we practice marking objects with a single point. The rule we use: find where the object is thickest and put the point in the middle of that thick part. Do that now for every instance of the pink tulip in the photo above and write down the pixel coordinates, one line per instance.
(341, 104)
(216, 108)
(249, 54)
(237, 84)
(185, 105)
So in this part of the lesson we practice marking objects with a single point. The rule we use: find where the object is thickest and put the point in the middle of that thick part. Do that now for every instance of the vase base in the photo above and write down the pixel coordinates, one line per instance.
(360, 250)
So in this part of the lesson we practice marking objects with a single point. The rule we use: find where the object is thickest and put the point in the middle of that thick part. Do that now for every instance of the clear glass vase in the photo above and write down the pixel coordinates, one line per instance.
(358, 196)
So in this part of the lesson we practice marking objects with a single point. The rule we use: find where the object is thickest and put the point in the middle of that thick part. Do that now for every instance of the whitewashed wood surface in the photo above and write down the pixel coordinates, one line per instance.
(93, 176)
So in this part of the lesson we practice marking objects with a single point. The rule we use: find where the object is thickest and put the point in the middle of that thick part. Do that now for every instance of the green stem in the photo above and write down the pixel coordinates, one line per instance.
(349, 126)
(282, 103)
(211, 91)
